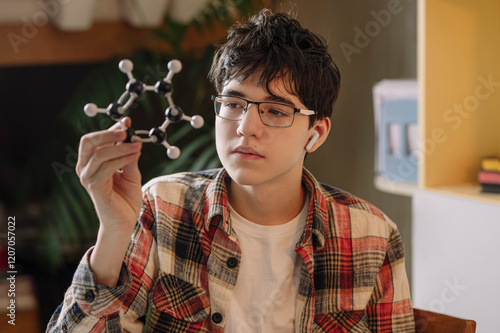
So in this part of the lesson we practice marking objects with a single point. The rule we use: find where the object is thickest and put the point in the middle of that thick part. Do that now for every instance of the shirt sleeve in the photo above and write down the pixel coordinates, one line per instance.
(390, 308)
(91, 307)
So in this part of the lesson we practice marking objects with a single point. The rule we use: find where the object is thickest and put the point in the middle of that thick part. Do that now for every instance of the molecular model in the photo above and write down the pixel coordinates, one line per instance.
(134, 89)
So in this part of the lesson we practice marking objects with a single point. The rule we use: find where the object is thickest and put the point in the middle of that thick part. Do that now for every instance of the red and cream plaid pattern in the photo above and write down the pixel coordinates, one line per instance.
(176, 276)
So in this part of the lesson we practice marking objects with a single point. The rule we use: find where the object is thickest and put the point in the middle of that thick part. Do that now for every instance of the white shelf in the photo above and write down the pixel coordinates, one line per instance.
(468, 191)
(454, 247)
(392, 187)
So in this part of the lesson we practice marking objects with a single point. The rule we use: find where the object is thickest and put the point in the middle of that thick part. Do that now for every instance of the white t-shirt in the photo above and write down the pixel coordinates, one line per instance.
(265, 294)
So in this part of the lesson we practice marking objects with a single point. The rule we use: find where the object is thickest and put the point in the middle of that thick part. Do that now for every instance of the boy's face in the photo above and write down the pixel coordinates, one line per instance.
(255, 154)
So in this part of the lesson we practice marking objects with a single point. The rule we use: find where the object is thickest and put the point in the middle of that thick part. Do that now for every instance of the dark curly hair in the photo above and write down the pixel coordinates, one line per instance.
(280, 47)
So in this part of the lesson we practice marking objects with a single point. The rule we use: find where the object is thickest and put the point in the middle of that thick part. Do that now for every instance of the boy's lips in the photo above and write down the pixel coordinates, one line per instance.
(246, 151)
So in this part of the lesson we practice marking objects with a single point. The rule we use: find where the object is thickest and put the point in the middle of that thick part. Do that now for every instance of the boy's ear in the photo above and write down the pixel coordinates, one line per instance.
(322, 128)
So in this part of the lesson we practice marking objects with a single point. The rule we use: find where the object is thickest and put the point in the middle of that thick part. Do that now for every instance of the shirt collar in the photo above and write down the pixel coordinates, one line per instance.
(317, 219)
(216, 203)
(217, 211)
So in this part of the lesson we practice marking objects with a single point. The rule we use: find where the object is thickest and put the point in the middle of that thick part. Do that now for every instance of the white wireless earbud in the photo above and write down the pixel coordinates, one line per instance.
(313, 140)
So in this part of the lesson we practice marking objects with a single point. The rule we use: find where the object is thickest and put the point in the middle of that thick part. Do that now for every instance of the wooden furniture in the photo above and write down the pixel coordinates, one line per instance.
(455, 226)
(459, 78)
(432, 322)
(47, 45)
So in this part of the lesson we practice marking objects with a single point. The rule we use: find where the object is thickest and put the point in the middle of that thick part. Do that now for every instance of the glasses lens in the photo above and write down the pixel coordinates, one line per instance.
(278, 115)
(231, 108)
(271, 114)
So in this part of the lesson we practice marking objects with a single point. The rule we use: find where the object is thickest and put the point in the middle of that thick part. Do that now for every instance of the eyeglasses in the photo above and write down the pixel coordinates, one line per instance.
(271, 114)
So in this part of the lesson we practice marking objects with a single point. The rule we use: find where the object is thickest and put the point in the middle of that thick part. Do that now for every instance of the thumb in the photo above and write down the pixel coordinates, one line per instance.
(131, 171)
(126, 121)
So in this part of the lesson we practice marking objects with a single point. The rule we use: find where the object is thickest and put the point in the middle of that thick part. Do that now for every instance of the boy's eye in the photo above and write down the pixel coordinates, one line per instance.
(277, 110)
(233, 105)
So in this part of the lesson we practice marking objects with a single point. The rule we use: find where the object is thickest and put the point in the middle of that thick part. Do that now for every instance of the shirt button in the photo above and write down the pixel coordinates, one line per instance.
(232, 262)
(217, 318)
(89, 296)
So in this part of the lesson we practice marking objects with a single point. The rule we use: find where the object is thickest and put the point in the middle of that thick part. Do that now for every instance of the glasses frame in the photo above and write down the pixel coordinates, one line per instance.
(296, 110)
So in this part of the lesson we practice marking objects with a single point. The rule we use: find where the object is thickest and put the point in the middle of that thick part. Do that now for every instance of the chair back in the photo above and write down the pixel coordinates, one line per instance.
(433, 322)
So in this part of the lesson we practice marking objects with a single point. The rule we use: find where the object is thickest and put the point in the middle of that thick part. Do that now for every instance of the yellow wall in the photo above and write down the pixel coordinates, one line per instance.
(461, 53)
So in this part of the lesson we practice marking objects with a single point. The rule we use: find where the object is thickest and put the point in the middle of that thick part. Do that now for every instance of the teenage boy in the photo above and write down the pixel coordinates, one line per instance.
(258, 246)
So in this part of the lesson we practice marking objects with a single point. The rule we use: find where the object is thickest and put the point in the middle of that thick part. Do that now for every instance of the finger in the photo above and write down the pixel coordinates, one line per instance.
(124, 122)
(97, 137)
(109, 153)
(127, 122)
(131, 172)
(108, 169)
(90, 142)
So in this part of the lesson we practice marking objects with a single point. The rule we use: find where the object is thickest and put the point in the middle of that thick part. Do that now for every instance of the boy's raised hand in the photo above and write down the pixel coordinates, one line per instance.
(108, 169)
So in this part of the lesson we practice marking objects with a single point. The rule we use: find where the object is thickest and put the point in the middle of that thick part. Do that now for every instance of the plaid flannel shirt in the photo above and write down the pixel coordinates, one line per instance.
(182, 264)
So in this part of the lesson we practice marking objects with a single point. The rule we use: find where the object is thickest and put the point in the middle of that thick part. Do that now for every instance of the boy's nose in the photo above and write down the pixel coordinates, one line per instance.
(250, 124)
